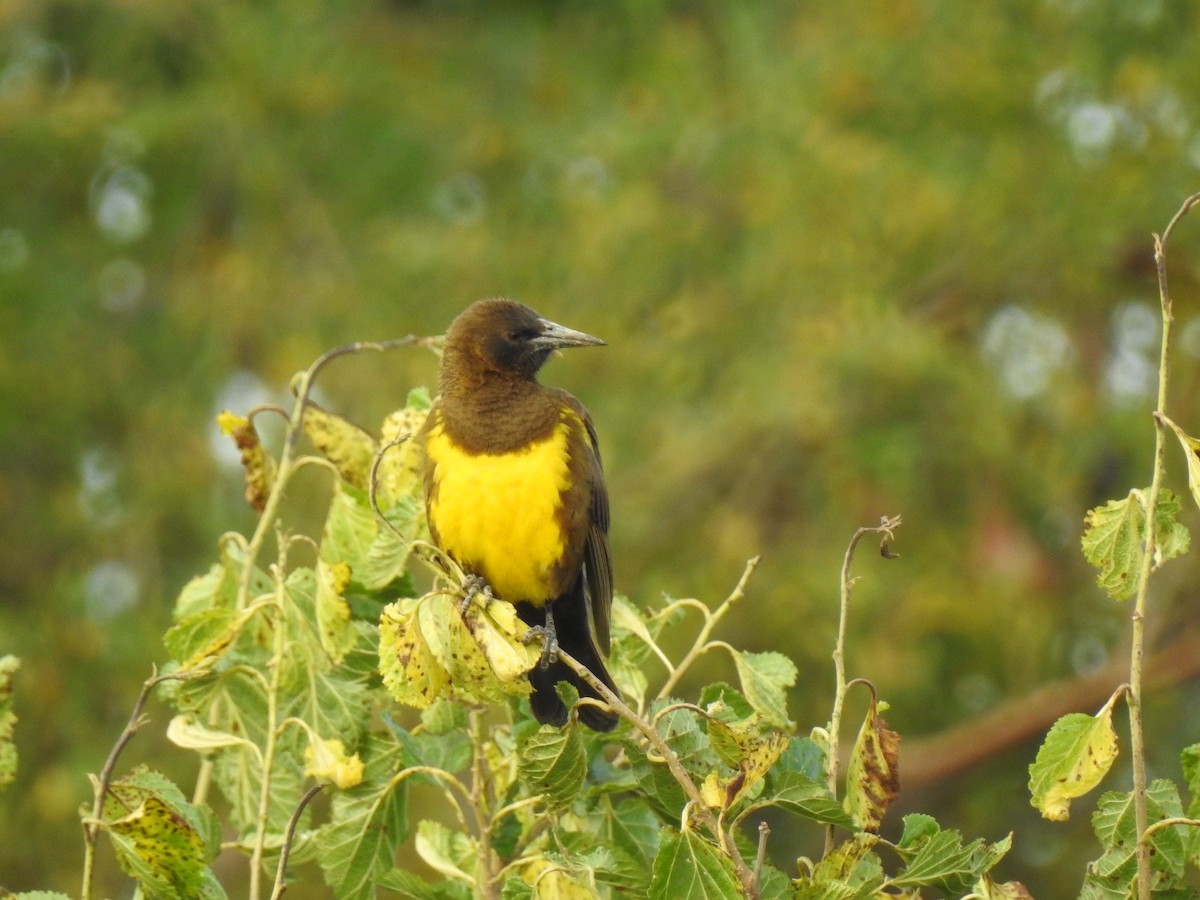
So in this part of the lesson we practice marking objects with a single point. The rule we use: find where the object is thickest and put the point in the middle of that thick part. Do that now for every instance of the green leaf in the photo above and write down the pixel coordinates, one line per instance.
(628, 873)
(451, 853)
(553, 763)
(9, 665)
(450, 752)
(941, 861)
(444, 717)
(765, 678)
(851, 872)
(407, 884)
(688, 866)
(387, 557)
(367, 824)
(632, 827)
(682, 731)
(1116, 828)
(203, 635)
(1076, 755)
(1114, 533)
(799, 794)
(161, 840)
(803, 755)
(216, 588)
(1189, 760)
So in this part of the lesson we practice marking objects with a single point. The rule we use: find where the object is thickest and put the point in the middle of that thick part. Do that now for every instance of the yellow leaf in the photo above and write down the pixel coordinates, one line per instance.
(1077, 753)
(399, 470)
(333, 612)
(498, 631)
(712, 791)
(186, 732)
(259, 466)
(551, 882)
(348, 447)
(1191, 450)
(873, 779)
(409, 668)
(327, 761)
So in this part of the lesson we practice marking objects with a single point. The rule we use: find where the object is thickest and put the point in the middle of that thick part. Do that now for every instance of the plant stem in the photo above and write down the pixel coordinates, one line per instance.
(839, 659)
(486, 871)
(710, 622)
(1137, 738)
(92, 827)
(286, 850)
(268, 756)
(667, 755)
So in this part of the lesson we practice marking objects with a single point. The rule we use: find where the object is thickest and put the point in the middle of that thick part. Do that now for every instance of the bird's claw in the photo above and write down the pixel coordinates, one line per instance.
(549, 644)
(474, 586)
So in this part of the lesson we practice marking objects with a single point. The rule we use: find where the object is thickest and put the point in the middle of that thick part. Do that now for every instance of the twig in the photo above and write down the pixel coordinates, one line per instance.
(92, 826)
(700, 645)
(764, 832)
(286, 849)
(480, 804)
(885, 527)
(1137, 649)
(667, 755)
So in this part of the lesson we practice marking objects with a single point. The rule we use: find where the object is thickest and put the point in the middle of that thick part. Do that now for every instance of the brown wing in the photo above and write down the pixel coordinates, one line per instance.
(597, 561)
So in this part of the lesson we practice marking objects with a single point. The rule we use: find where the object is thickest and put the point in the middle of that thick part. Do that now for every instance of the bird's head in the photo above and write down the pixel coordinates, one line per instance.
(506, 337)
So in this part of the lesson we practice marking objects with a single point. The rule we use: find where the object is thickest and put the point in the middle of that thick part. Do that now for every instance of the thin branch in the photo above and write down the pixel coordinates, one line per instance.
(1137, 650)
(885, 527)
(286, 849)
(92, 826)
(700, 645)
(480, 803)
(664, 751)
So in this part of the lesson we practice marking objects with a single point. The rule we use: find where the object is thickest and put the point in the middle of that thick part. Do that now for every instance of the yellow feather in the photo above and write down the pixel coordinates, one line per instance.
(497, 514)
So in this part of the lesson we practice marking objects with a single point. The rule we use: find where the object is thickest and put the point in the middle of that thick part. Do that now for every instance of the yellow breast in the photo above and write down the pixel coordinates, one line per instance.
(498, 514)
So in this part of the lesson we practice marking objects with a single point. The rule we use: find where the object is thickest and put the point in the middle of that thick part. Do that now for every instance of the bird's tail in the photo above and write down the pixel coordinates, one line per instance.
(573, 628)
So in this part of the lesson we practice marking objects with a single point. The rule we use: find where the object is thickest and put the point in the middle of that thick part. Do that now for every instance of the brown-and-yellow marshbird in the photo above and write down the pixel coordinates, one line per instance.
(515, 493)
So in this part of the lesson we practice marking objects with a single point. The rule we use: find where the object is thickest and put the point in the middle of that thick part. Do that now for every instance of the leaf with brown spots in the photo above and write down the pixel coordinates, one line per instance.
(873, 780)
(1076, 755)
(259, 465)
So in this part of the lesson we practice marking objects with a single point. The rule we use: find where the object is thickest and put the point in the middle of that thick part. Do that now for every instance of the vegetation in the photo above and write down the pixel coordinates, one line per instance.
(849, 260)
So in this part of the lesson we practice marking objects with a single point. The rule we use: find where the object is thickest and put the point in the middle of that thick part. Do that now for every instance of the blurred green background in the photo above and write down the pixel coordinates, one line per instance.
(851, 260)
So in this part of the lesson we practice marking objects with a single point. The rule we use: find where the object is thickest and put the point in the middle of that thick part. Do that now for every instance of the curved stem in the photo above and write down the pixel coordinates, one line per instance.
(699, 646)
(92, 826)
(1149, 548)
(885, 527)
(667, 755)
(286, 849)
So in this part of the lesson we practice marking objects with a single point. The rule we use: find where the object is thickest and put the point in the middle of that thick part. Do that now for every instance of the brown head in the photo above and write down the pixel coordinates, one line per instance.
(505, 339)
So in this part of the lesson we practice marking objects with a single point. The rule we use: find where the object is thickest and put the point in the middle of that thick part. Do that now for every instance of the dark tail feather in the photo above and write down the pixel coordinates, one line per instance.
(573, 628)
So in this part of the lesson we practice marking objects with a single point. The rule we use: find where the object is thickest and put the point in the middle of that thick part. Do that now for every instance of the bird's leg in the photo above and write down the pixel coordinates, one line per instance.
(474, 586)
(549, 637)
(549, 642)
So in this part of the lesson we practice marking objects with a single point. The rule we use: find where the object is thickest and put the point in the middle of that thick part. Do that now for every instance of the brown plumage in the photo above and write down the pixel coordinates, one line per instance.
(515, 492)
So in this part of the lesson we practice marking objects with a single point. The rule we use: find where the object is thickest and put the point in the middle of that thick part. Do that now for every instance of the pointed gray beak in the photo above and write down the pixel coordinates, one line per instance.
(556, 337)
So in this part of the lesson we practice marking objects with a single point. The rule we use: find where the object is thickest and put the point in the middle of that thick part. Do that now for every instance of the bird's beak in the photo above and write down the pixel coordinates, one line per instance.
(555, 337)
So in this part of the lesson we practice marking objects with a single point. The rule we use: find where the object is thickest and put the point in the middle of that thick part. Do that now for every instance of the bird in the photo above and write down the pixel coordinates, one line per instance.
(515, 492)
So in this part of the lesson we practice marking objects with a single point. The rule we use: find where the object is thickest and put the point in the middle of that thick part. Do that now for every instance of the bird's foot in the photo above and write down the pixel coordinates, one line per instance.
(474, 586)
(549, 641)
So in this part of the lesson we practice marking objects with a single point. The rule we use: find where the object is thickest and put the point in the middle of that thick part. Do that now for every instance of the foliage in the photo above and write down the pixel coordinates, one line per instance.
(1147, 840)
(848, 259)
(287, 663)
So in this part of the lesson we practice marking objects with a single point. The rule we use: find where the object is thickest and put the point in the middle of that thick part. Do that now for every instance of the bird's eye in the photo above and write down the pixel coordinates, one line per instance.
(522, 335)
